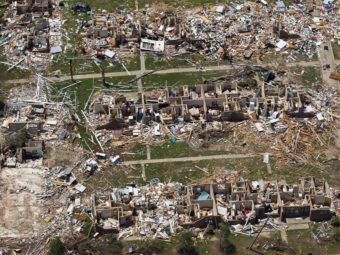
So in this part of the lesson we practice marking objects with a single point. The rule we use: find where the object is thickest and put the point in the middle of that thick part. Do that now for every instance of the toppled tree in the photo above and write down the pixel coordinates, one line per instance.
(226, 246)
(186, 244)
(57, 247)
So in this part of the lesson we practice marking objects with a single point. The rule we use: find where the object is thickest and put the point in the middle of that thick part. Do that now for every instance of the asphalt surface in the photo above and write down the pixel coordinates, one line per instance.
(186, 159)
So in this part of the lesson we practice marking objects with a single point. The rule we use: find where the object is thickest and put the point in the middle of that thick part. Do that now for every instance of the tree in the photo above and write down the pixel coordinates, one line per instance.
(57, 247)
(225, 231)
(226, 246)
(186, 244)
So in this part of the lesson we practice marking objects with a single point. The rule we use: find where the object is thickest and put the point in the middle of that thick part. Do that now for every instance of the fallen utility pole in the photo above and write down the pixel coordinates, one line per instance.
(15, 65)
(140, 77)
(258, 234)
(73, 84)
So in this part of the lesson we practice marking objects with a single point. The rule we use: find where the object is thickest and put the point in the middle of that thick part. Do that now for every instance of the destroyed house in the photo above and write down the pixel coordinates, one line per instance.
(22, 7)
(109, 213)
(38, 44)
(26, 6)
(34, 128)
(33, 150)
(39, 110)
(16, 126)
(42, 6)
(40, 25)
(322, 206)
(201, 199)
(157, 209)
(310, 198)
(216, 101)
(292, 204)
(152, 45)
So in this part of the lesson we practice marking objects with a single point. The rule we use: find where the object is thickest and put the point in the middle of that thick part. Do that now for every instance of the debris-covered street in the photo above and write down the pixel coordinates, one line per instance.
(169, 128)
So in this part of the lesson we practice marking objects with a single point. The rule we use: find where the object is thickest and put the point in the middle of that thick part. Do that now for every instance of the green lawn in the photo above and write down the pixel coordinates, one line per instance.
(310, 75)
(297, 239)
(180, 79)
(15, 73)
(130, 4)
(173, 150)
(82, 66)
(184, 60)
(303, 57)
(184, 172)
(152, 63)
(139, 151)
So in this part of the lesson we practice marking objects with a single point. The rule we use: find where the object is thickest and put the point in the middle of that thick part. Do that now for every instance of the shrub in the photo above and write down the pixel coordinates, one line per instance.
(148, 247)
(186, 244)
(57, 247)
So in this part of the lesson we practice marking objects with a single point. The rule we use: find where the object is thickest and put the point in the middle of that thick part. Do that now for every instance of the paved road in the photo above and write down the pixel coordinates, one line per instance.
(142, 70)
(165, 71)
(185, 159)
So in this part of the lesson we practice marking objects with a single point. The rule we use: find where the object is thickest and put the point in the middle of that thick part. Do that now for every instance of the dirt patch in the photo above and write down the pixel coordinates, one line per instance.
(19, 208)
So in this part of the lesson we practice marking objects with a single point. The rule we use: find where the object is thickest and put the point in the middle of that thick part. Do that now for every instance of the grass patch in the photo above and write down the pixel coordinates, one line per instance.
(181, 172)
(109, 5)
(249, 168)
(305, 58)
(156, 62)
(139, 151)
(185, 60)
(310, 75)
(130, 4)
(15, 73)
(83, 66)
(162, 247)
(297, 239)
(179, 79)
(108, 178)
(241, 242)
(173, 150)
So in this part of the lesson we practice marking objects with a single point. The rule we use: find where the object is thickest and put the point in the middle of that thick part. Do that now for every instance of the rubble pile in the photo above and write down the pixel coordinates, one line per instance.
(32, 35)
(160, 210)
(287, 118)
(222, 32)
